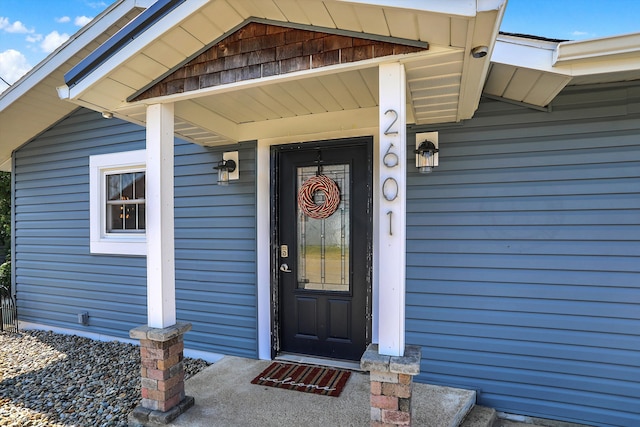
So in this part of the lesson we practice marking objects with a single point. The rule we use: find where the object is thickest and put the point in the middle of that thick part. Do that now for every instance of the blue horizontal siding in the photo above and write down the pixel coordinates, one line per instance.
(57, 277)
(215, 229)
(523, 258)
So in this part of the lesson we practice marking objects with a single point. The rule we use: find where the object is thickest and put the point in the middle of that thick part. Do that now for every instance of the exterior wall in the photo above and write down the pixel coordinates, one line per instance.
(216, 250)
(523, 258)
(57, 277)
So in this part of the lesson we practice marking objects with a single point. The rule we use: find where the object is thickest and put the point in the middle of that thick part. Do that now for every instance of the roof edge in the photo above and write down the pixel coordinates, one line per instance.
(68, 49)
(123, 37)
(600, 48)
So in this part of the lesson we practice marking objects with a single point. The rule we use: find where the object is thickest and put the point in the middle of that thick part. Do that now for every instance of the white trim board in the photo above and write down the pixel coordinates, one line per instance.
(99, 241)
(263, 226)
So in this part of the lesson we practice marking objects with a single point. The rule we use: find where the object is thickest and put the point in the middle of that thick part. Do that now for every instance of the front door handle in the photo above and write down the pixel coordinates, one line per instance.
(285, 268)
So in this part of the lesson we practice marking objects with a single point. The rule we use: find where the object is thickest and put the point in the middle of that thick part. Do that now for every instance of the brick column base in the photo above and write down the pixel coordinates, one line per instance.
(391, 385)
(162, 372)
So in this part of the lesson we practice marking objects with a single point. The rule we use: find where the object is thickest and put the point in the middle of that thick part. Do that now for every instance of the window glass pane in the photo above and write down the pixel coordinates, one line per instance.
(142, 225)
(130, 217)
(139, 185)
(125, 202)
(115, 217)
(113, 187)
(127, 186)
(323, 244)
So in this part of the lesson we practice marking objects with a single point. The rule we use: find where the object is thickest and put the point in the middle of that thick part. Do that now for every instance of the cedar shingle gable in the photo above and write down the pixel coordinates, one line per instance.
(261, 50)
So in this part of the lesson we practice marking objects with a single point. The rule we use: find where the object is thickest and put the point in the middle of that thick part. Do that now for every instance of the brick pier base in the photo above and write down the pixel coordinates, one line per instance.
(162, 372)
(391, 385)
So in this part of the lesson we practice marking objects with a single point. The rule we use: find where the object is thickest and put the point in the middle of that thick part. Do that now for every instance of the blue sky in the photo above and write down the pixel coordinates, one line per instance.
(31, 29)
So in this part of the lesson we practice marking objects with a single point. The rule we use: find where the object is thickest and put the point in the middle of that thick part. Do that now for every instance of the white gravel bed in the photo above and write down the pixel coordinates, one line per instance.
(49, 379)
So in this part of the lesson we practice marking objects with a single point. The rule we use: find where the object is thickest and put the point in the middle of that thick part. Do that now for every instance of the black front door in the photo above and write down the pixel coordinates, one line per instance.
(323, 260)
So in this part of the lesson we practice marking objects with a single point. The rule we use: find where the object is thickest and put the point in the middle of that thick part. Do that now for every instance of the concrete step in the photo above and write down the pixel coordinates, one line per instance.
(440, 406)
(225, 397)
(480, 416)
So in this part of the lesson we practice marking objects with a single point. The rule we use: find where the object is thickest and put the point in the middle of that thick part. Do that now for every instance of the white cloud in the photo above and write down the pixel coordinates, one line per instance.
(52, 41)
(81, 21)
(63, 20)
(34, 38)
(582, 34)
(97, 4)
(13, 65)
(16, 27)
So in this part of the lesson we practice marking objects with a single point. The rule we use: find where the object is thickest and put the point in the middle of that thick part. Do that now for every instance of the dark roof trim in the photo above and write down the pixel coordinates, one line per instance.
(532, 37)
(123, 37)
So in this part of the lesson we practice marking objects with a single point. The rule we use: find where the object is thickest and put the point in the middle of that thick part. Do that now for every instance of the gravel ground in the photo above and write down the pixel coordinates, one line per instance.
(49, 379)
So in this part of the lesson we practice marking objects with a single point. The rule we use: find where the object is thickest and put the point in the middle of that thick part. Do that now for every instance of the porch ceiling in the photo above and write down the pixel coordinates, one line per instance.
(443, 83)
(289, 105)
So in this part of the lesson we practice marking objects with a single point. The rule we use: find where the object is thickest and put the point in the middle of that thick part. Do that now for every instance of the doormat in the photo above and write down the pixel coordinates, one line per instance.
(309, 379)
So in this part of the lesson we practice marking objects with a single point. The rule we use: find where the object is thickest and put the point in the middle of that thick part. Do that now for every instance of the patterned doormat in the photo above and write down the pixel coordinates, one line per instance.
(309, 379)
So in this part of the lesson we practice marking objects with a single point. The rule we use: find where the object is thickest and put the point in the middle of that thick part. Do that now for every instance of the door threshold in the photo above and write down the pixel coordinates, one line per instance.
(322, 361)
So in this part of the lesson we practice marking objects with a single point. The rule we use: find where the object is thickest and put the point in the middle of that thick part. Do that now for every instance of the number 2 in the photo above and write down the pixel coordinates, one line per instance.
(388, 131)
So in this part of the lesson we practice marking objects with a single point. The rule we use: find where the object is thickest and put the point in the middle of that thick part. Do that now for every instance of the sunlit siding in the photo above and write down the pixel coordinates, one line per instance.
(523, 258)
(57, 277)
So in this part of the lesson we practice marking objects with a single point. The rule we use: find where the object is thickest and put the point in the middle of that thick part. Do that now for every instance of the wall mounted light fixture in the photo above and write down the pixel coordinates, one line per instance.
(426, 151)
(228, 168)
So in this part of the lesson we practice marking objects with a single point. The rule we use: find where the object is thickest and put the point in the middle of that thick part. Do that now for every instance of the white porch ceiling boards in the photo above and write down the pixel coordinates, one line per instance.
(436, 82)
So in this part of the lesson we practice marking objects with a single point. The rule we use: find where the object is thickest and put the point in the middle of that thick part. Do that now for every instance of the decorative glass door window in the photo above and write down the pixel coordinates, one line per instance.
(125, 202)
(323, 244)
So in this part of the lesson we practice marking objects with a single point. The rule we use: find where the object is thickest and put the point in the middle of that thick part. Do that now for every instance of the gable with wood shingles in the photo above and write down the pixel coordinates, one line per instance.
(260, 50)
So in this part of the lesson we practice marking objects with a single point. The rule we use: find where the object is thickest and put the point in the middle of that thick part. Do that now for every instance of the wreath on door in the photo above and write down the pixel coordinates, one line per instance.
(309, 189)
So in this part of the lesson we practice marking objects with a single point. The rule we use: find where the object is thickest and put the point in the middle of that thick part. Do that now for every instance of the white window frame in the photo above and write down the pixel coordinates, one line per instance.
(102, 242)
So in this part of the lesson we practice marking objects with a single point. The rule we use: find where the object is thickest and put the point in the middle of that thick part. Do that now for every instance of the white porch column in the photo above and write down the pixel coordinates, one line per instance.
(161, 294)
(392, 210)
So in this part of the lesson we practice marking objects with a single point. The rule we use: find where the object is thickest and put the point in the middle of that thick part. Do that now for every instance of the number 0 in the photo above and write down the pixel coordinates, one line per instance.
(390, 189)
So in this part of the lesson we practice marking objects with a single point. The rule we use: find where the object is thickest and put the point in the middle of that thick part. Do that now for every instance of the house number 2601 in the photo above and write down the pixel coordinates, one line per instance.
(390, 160)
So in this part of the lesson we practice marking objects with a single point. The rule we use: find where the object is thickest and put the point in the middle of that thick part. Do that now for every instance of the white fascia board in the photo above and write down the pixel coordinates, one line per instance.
(70, 48)
(489, 5)
(604, 66)
(448, 7)
(165, 24)
(468, 8)
(481, 31)
(536, 55)
(597, 49)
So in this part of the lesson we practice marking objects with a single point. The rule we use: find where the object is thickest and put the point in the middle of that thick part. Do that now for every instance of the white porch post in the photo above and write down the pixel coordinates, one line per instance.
(392, 210)
(161, 294)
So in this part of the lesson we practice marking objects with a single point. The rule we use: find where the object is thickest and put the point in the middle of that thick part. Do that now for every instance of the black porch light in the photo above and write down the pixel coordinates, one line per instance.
(426, 155)
(225, 167)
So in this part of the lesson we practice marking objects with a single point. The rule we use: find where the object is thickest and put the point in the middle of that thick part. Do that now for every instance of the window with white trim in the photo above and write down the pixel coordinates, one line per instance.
(118, 203)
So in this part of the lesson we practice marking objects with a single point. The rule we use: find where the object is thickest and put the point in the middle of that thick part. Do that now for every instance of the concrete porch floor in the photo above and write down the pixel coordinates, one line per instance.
(224, 396)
